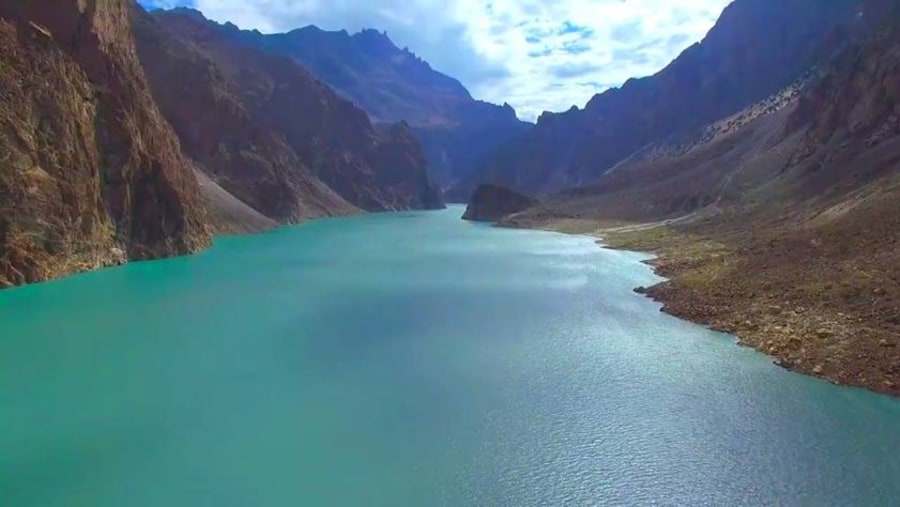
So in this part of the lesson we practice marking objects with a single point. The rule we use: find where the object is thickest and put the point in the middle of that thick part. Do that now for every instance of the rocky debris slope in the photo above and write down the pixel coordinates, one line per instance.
(91, 174)
(270, 133)
(491, 203)
(756, 49)
(226, 213)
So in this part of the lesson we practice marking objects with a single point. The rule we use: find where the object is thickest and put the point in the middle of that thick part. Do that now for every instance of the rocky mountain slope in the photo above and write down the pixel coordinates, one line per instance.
(782, 228)
(394, 85)
(733, 67)
(91, 174)
(270, 133)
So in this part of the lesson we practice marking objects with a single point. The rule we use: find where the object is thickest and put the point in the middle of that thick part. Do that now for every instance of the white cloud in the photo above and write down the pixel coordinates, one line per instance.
(535, 54)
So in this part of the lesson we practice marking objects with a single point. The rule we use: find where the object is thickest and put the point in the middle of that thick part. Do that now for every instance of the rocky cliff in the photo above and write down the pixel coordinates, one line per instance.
(269, 132)
(756, 49)
(91, 174)
(491, 203)
(393, 85)
(397, 148)
(855, 106)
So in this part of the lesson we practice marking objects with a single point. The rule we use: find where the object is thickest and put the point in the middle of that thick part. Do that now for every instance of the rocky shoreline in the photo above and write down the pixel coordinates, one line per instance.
(716, 284)
(669, 294)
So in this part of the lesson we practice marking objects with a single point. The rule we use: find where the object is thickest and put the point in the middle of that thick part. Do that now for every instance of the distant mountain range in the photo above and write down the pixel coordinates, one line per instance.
(392, 85)
(756, 48)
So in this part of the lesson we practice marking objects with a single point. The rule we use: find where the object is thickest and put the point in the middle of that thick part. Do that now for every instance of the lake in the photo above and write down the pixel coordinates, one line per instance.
(410, 359)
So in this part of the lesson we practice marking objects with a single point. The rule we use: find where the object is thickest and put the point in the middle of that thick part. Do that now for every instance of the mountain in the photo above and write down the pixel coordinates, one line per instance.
(394, 85)
(92, 174)
(269, 132)
(389, 83)
(779, 223)
(128, 136)
(756, 48)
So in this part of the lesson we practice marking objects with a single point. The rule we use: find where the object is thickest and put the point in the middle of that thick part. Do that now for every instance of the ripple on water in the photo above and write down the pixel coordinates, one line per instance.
(410, 359)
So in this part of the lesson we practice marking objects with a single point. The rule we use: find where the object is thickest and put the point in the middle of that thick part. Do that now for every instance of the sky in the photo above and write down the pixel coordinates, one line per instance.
(537, 55)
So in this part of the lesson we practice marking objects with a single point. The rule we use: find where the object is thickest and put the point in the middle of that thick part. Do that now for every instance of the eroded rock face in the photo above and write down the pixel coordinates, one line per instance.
(491, 203)
(268, 131)
(91, 174)
(855, 106)
(399, 159)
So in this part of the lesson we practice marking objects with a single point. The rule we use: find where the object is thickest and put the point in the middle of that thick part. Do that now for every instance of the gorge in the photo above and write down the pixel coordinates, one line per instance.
(289, 311)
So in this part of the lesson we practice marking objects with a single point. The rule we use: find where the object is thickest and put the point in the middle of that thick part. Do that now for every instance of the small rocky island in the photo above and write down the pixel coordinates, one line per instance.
(490, 203)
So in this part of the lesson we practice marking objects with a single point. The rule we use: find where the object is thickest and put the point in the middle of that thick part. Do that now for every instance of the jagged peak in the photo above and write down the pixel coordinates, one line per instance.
(509, 110)
(372, 33)
(374, 40)
(313, 29)
(546, 116)
(193, 15)
(551, 114)
(185, 11)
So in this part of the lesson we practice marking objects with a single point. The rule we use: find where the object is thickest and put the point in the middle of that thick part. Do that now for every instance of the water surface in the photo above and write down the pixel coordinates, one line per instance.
(410, 359)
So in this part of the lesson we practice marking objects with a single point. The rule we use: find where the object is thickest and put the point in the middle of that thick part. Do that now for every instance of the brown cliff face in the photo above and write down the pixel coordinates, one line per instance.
(91, 173)
(266, 130)
(491, 203)
(756, 48)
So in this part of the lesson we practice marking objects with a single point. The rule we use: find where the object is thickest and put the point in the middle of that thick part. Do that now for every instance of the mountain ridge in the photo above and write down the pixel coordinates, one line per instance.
(728, 70)
(289, 125)
(393, 84)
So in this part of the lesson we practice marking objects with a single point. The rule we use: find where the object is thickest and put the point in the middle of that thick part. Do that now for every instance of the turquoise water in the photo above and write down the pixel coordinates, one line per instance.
(410, 359)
